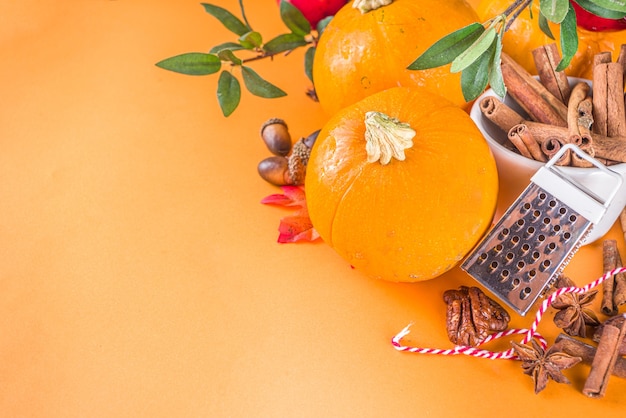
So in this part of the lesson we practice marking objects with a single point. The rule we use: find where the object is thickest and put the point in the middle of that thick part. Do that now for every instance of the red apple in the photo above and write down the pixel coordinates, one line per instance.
(589, 21)
(316, 10)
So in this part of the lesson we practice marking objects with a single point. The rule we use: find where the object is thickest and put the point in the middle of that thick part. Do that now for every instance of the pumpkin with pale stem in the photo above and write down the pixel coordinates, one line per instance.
(369, 44)
(401, 184)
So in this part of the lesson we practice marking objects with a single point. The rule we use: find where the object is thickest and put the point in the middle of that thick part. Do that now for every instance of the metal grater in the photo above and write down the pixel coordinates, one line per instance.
(522, 255)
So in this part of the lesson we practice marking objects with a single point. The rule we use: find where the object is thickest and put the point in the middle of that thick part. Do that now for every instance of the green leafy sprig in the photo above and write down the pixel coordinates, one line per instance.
(227, 58)
(475, 50)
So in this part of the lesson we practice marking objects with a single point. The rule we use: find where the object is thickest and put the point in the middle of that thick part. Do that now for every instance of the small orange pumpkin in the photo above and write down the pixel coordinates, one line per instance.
(363, 53)
(415, 212)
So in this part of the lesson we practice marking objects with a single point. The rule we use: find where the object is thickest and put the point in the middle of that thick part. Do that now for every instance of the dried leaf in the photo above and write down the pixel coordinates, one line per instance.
(298, 226)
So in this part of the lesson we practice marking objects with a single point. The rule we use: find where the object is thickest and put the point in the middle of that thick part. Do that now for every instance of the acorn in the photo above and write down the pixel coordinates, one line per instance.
(275, 170)
(275, 134)
(290, 170)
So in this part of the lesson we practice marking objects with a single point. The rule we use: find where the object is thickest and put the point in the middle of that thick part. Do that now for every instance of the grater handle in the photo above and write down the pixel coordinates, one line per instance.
(618, 178)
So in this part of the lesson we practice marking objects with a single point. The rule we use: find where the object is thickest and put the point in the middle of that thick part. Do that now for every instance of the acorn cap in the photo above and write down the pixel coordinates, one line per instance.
(298, 160)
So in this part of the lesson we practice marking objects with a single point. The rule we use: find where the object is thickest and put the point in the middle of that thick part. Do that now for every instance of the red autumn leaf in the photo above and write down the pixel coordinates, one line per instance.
(298, 226)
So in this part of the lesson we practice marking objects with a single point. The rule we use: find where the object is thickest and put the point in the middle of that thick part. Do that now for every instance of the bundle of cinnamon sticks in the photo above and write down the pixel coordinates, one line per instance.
(592, 117)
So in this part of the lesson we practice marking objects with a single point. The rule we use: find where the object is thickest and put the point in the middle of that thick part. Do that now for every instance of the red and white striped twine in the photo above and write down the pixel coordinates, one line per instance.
(529, 333)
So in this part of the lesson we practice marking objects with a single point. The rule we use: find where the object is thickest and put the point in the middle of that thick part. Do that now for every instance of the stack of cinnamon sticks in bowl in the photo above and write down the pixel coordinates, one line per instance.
(540, 114)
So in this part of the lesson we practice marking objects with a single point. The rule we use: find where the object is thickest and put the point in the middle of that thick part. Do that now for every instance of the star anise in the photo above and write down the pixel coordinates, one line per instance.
(573, 316)
(542, 365)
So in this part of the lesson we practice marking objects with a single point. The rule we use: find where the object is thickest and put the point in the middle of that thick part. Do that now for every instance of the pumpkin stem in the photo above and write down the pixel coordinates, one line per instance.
(386, 137)
(365, 6)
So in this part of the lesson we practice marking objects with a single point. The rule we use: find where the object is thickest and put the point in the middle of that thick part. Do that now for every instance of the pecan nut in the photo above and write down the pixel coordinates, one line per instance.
(471, 315)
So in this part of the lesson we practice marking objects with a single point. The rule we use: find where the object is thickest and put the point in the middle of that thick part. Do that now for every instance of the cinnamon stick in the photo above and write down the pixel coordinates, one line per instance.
(619, 286)
(585, 145)
(616, 321)
(551, 146)
(520, 136)
(622, 222)
(609, 262)
(621, 59)
(532, 96)
(579, 93)
(515, 136)
(604, 360)
(547, 59)
(600, 110)
(499, 113)
(587, 352)
(602, 58)
(585, 117)
(614, 288)
(604, 147)
(609, 113)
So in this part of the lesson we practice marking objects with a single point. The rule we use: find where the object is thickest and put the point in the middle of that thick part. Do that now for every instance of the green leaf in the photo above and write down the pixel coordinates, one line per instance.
(554, 10)
(285, 42)
(308, 62)
(569, 39)
(251, 40)
(445, 50)
(475, 77)
(233, 46)
(228, 93)
(593, 7)
(229, 20)
(293, 18)
(321, 25)
(545, 26)
(615, 5)
(474, 51)
(496, 81)
(258, 86)
(227, 55)
(192, 63)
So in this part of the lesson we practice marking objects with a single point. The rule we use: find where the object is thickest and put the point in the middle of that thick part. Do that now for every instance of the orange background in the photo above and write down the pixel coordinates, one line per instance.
(140, 276)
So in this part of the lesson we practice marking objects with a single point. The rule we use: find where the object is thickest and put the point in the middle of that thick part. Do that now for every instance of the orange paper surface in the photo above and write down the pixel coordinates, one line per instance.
(140, 275)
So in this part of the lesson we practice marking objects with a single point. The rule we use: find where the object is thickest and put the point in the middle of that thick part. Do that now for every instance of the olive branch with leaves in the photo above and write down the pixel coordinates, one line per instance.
(250, 42)
(474, 50)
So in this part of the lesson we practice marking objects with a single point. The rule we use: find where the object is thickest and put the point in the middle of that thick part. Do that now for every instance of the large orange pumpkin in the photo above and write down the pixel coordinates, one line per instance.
(524, 35)
(412, 219)
(363, 53)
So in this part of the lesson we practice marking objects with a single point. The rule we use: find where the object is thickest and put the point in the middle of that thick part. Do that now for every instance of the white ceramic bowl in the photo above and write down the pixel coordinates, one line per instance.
(515, 170)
